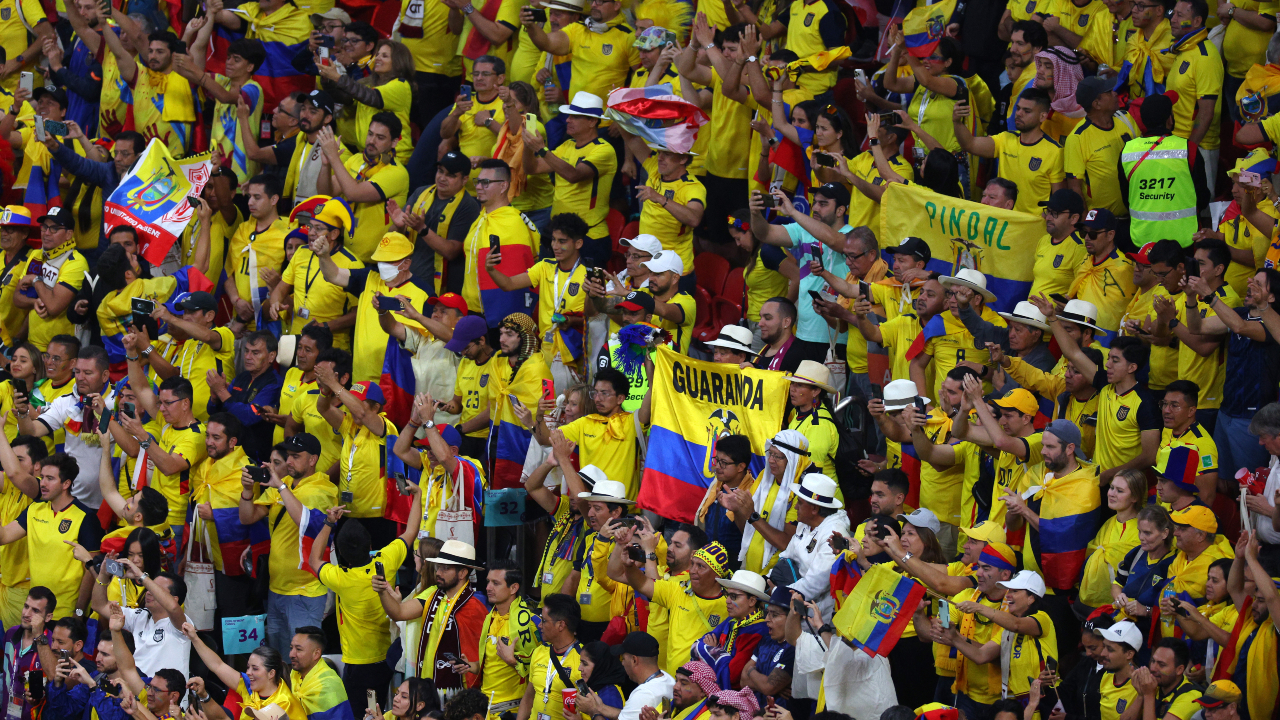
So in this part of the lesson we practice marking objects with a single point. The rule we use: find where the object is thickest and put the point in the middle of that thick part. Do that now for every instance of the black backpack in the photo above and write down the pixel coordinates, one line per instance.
(857, 431)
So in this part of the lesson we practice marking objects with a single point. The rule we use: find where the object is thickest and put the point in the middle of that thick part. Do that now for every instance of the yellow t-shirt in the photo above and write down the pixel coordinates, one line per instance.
(595, 589)
(164, 108)
(1108, 285)
(286, 576)
(194, 359)
(728, 134)
(1209, 373)
(304, 411)
(316, 299)
(14, 571)
(823, 438)
(11, 316)
(689, 617)
(609, 444)
(1240, 234)
(560, 550)
(188, 443)
(980, 682)
(15, 17)
(499, 681)
(470, 386)
(1055, 265)
(862, 209)
(250, 249)
(477, 140)
(561, 293)
(682, 332)
(1121, 420)
(57, 568)
(1243, 46)
(589, 199)
(1030, 654)
(896, 336)
(656, 221)
(372, 219)
(508, 15)
(361, 466)
(397, 96)
(289, 391)
(1198, 438)
(1115, 699)
(362, 623)
(220, 232)
(957, 346)
(1033, 168)
(601, 61)
(435, 50)
(367, 364)
(548, 702)
(226, 129)
(1196, 75)
(1016, 475)
(70, 274)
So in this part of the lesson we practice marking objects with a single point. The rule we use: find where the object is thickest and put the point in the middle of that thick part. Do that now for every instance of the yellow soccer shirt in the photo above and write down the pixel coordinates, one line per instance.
(424, 29)
(316, 299)
(804, 37)
(251, 250)
(15, 17)
(1092, 154)
(11, 316)
(595, 589)
(728, 134)
(1240, 234)
(561, 548)
(220, 232)
(361, 464)
(188, 443)
(656, 221)
(477, 140)
(659, 617)
(1180, 703)
(362, 623)
(69, 272)
(957, 346)
(559, 293)
(47, 533)
(470, 386)
(609, 444)
(164, 108)
(1115, 698)
(548, 700)
(601, 61)
(14, 570)
(1023, 9)
(823, 438)
(689, 617)
(1091, 21)
(369, 339)
(372, 219)
(1124, 31)
(499, 681)
(194, 359)
(589, 199)
(896, 335)
(512, 227)
(682, 332)
(397, 96)
(289, 391)
(1033, 168)
(1055, 264)
(1208, 373)
(286, 578)
(862, 209)
(1196, 75)
(889, 295)
(1108, 285)
(283, 697)
(1016, 475)
(1198, 438)
(508, 15)
(1244, 46)
(1121, 419)
(304, 411)
(980, 682)
(941, 488)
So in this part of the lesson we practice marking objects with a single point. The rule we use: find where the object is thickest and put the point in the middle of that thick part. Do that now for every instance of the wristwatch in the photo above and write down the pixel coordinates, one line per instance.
(146, 352)
(873, 142)
(468, 9)
(710, 46)
(755, 518)
(906, 557)
(430, 424)
(751, 58)
(652, 556)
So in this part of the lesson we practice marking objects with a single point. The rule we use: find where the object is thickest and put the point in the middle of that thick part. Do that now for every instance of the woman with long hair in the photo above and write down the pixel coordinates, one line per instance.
(1117, 536)
(413, 701)
(27, 370)
(770, 272)
(911, 662)
(833, 139)
(605, 678)
(142, 548)
(1212, 621)
(1144, 571)
(389, 88)
(267, 678)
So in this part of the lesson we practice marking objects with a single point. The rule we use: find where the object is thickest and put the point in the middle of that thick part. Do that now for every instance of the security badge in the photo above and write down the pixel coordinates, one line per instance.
(548, 578)
(304, 313)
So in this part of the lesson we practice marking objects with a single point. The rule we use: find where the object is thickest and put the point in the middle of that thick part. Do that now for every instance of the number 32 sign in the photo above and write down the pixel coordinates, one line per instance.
(243, 634)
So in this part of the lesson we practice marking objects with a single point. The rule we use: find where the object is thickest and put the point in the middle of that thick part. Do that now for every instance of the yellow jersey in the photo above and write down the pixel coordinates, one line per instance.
(286, 578)
(1196, 74)
(559, 293)
(164, 108)
(68, 270)
(1115, 698)
(470, 386)
(1122, 418)
(1033, 168)
(252, 249)
(372, 220)
(362, 623)
(1209, 373)
(304, 411)
(316, 299)
(187, 443)
(424, 29)
(47, 533)
(601, 61)
(361, 466)
(656, 221)
(728, 134)
(689, 617)
(1092, 154)
(609, 444)
(1056, 263)
(589, 199)
(397, 96)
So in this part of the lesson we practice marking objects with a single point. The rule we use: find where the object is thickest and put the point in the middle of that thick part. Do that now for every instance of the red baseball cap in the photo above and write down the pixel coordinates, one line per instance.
(1140, 257)
(450, 300)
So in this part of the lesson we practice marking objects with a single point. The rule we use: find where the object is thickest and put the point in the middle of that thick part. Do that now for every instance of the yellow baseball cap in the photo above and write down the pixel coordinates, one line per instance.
(986, 531)
(1198, 517)
(1020, 399)
(393, 247)
(1219, 692)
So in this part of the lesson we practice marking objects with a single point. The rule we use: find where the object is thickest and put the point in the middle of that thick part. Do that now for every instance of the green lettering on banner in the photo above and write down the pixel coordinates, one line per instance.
(957, 221)
(989, 231)
(931, 210)
(975, 220)
(1000, 238)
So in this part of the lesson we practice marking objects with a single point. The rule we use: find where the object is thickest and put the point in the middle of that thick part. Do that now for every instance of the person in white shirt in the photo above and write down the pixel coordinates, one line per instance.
(638, 653)
(157, 626)
(850, 681)
(819, 514)
(1266, 426)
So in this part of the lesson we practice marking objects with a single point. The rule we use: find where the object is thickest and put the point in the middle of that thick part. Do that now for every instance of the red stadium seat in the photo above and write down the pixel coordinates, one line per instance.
(702, 324)
(615, 221)
(712, 269)
(735, 289)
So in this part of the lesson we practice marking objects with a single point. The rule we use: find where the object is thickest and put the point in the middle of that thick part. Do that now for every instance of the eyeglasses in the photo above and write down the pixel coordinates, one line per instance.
(486, 182)
(775, 455)
(603, 393)
(642, 257)
(854, 257)
(723, 462)
(1161, 275)
(483, 73)
(170, 403)
(1054, 213)
(735, 596)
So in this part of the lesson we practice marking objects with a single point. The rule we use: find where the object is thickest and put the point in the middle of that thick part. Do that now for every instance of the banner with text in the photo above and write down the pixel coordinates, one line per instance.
(152, 198)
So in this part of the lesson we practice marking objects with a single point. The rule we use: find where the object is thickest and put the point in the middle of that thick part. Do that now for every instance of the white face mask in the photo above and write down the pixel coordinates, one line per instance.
(388, 271)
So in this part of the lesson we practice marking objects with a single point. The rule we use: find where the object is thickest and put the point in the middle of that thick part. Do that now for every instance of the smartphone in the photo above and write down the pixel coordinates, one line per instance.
(798, 606)
(817, 296)
(35, 685)
(142, 309)
(864, 288)
(324, 55)
(1192, 267)
(113, 567)
(495, 244)
(861, 75)
(881, 530)
(194, 202)
(1058, 298)
(920, 406)
(259, 474)
(465, 92)
(514, 400)
(636, 553)
(327, 41)
(386, 304)
(548, 389)
(39, 127)
(888, 118)
(839, 542)
(55, 128)
(596, 274)
(402, 484)
(64, 654)
(370, 698)
(450, 658)
(1250, 179)
(824, 159)
(582, 687)
(962, 93)
(379, 570)
(771, 704)
(628, 522)
(26, 81)
(944, 613)
(1182, 611)
(538, 14)
(104, 422)
(128, 408)
(769, 200)
(193, 699)
(1051, 664)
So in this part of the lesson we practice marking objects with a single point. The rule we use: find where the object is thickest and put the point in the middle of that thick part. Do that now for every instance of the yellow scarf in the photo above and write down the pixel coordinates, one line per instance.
(1142, 52)
(748, 485)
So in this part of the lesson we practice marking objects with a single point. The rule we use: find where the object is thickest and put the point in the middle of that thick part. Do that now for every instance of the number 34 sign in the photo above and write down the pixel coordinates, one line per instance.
(243, 634)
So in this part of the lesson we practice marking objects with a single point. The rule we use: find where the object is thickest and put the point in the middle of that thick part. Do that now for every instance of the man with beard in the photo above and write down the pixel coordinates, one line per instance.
(48, 296)
(684, 541)
(217, 483)
(298, 120)
(889, 490)
(507, 640)
(256, 388)
(437, 218)
(367, 183)
(156, 85)
(73, 413)
(778, 317)
(1255, 663)
(695, 682)
(307, 299)
(452, 618)
(1163, 684)
(82, 73)
(20, 650)
(1028, 157)
(501, 223)
(1061, 250)
(316, 684)
(99, 691)
(1197, 79)
(229, 89)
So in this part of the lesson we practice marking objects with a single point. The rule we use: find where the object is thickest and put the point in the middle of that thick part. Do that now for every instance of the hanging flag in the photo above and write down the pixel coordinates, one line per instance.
(308, 530)
(923, 27)
(878, 610)
(281, 41)
(322, 693)
(657, 115)
(694, 403)
(152, 198)
(845, 574)
(1069, 508)
(397, 382)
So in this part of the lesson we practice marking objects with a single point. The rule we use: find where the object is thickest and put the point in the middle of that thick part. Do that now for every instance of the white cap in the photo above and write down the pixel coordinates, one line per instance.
(1028, 580)
(923, 517)
(971, 279)
(665, 261)
(1122, 633)
(643, 242)
(901, 393)
(584, 104)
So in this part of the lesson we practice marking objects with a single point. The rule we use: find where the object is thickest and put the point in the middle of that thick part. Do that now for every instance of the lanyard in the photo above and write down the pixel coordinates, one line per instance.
(351, 459)
(551, 671)
(188, 360)
(557, 292)
(308, 279)
(591, 566)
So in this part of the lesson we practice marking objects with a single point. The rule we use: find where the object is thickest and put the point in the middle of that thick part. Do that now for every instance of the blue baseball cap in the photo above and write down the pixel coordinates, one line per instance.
(468, 328)
(369, 391)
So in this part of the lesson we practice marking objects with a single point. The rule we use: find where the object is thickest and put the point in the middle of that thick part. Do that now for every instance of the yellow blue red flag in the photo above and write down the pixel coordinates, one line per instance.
(878, 609)
(1070, 512)
(694, 404)
(152, 198)
(997, 241)
(924, 26)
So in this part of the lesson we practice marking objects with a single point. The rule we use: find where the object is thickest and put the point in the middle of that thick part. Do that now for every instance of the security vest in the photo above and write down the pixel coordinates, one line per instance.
(1162, 197)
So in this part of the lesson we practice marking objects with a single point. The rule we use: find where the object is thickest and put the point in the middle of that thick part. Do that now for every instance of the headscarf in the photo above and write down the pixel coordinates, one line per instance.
(702, 675)
(1067, 74)
(607, 671)
(796, 447)
(529, 341)
(743, 700)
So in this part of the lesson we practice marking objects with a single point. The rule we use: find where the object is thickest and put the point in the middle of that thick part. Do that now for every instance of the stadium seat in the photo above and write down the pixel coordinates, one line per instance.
(712, 269)
(615, 221)
(735, 289)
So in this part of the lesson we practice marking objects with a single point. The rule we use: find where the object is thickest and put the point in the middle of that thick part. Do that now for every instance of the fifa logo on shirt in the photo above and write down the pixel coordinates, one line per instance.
(64, 526)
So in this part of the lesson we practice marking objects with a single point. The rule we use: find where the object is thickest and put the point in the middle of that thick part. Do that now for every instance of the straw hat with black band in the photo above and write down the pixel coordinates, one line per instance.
(456, 552)
(812, 372)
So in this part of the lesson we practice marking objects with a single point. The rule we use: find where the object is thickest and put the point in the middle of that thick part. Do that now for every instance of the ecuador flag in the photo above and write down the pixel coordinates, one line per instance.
(924, 26)
(217, 482)
(694, 404)
(1069, 510)
(878, 610)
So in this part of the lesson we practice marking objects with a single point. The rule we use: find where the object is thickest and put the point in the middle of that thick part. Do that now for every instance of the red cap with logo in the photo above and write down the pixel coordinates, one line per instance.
(450, 300)
(1140, 257)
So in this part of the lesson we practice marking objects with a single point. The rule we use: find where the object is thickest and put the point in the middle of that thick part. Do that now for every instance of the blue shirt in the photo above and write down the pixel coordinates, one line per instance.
(724, 531)
(771, 655)
(810, 326)
(248, 396)
(1250, 373)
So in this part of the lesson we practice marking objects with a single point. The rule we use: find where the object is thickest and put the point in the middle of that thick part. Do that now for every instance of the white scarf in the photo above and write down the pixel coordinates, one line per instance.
(777, 517)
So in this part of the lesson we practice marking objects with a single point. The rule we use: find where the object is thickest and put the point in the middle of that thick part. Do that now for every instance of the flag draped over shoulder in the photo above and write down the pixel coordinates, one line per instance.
(152, 198)
(281, 41)
(1000, 241)
(512, 437)
(694, 404)
(308, 530)
(217, 482)
(116, 309)
(322, 693)
(657, 115)
(397, 382)
(878, 610)
(1069, 510)
(924, 27)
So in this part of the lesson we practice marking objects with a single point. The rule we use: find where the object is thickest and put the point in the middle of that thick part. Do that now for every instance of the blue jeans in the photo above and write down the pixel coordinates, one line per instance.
(1237, 447)
(285, 613)
(972, 710)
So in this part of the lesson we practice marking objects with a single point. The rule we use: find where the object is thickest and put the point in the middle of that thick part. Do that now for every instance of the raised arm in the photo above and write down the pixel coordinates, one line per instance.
(226, 674)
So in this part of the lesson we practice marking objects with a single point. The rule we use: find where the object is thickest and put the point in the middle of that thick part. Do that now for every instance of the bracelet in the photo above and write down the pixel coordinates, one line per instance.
(133, 358)
(413, 424)
(242, 497)
(204, 699)
(102, 583)
(778, 102)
